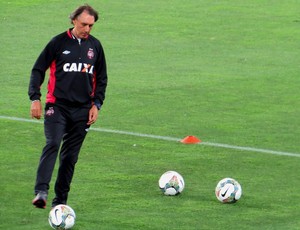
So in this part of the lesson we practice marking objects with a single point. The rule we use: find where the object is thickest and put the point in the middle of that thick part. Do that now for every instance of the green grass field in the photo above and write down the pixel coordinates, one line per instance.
(224, 71)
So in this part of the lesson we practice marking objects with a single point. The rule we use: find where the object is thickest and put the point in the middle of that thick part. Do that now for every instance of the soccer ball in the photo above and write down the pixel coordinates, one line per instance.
(171, 183)
(228, 190)
(62, 217)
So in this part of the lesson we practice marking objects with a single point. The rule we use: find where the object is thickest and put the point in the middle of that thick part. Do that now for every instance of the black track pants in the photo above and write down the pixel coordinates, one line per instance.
(65, 129)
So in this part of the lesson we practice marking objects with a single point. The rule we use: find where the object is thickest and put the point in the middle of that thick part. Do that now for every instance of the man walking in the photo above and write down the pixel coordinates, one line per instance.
(76, 91)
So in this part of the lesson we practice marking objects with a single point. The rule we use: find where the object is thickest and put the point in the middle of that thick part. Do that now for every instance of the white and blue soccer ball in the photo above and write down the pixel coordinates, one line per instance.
(171, 183)
(62, 217)
(228, 190)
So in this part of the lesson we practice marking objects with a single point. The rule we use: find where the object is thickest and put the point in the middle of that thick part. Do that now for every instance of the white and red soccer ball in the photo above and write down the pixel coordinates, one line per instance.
(171, 183)
(62, 217)
(228, 190)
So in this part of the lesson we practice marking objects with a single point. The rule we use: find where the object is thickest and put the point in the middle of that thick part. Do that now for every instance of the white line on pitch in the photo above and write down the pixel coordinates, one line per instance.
(267, 151)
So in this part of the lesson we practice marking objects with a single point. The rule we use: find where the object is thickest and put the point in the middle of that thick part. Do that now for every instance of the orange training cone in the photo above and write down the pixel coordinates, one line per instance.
(190, 140)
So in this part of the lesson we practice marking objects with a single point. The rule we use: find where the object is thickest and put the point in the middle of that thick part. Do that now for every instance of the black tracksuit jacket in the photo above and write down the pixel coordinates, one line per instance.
(77, 71)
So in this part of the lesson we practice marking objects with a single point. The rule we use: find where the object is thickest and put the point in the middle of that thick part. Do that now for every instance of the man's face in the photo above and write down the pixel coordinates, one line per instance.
(83, 25)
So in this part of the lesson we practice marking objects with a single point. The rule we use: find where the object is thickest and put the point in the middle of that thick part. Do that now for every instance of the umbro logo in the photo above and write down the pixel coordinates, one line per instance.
(66, 52)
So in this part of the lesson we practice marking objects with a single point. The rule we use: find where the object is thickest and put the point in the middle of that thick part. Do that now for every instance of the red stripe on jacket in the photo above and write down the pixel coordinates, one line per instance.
(50, 98)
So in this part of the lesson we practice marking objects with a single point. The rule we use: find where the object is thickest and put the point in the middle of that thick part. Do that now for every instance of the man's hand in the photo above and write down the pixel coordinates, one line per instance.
(36, 109)
(93, 115)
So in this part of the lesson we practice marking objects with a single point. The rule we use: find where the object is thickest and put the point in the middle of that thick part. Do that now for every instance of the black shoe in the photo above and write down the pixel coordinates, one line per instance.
(40, 200)
(57, 201)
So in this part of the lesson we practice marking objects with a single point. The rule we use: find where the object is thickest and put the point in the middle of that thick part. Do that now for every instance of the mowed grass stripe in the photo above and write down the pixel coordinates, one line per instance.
(249, 149)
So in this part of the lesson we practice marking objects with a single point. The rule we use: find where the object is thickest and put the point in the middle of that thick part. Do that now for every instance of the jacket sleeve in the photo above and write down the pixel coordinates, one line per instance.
(39, 69)
(101, 77)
